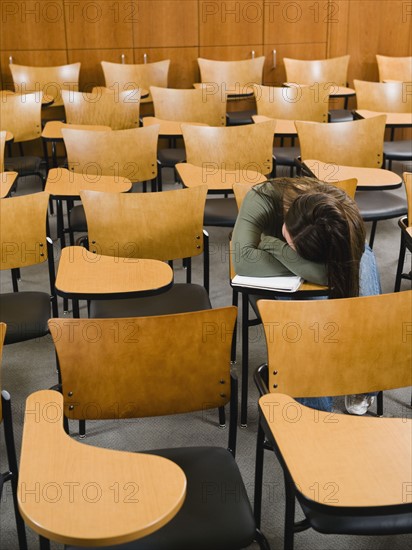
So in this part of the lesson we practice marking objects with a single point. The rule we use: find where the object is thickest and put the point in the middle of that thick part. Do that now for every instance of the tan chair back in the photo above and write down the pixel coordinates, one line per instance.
(2, 146)
(302, 71)
(248, 147)
(365, 344)
(357, 143)
(233, 76)
(50, 80)
(23, 230)
(189, 106)
(121, 77)
(3, 328)
(160, 226)
(407, 178)
(394, 68)
(118, 111)
(389, 97)
(21, 115)
(130, 154)
(151, 366)
(293, 103)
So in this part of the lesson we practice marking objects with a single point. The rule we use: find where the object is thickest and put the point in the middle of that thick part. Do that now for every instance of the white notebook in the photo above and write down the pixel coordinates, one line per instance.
(285, 284)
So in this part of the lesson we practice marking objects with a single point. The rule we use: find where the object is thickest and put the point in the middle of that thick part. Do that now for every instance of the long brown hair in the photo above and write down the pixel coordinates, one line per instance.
(326, 226)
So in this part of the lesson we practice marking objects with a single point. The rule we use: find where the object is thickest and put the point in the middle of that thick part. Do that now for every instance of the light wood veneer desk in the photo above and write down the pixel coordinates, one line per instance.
(83, 275)
(82, 495)
(393, 120)
(168, 128)
(217, 180)
(333, 453)
(63, 184)
(368, 178)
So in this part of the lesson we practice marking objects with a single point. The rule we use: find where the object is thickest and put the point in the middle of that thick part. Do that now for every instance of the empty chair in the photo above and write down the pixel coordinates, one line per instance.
(49, 80)
(405, 224)
(389, 97)
(291, 103)
(128, 154)
(185, 370)
(336, 453)
(12, 473)
(322, 73)
(20, 114)
(394, 68)
(121, 77)
(161, 226)
(183, 106)
(118, 111)
(358, 144)
(24, 243)
(232, 78)
(230, 149)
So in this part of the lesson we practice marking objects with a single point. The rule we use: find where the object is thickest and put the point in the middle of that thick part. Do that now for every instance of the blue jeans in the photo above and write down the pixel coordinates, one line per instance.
(369, 285)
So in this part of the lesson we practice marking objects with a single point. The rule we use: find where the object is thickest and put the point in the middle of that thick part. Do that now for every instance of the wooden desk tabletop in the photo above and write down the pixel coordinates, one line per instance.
(46, 100)
(284, 127)
(392, 119)
(342, 460)
(216, 180)
(334, 89)
(368, 178)
(53, 129)
(102, 89)
(168, 128)
(6, 182)
(66, 184)
(82, 495)
(86, 276)
(229, 93)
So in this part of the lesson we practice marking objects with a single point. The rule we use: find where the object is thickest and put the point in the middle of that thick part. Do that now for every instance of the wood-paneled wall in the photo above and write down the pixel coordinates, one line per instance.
(55, 32)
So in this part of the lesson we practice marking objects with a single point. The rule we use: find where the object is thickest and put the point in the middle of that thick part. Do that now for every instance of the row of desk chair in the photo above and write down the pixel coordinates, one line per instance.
(335, 452)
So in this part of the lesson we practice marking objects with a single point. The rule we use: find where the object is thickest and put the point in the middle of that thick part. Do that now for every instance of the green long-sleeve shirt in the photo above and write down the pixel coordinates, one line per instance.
(258, 247)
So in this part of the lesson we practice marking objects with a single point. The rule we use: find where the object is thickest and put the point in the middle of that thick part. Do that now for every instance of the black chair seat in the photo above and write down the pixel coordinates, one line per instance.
(181, 298)
(220, 212)
(398, 150)
(379, 520)
(78, 219)
(239, 118)
(340, 115)
(380, 205)
(26, 315)
(227, 524)
(170, 157)
(23, 165)
(285, 156)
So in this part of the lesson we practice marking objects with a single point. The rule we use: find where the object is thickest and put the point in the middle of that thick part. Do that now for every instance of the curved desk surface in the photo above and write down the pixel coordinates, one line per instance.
(168, 128)
(103, 89)
(82, 495)
(84, 275)
(66, 184)
(53, 129)
(368, 178)
(216, 179)
(7, 180)
(334, 89)
(394, 120)
(284, 127)
(385, 442)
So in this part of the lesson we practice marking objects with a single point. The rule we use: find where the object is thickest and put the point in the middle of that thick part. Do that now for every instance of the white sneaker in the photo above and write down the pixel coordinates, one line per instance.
(358, 403)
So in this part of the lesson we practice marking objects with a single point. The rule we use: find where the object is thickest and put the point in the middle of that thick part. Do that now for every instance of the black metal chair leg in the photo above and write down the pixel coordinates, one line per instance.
(222, 417)
(261, 540)
(235, 301)
(289, 514)
(401, 262)
(379, 404)
(82, 428)
(44, 543)
(257, 505)
(372, 235)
